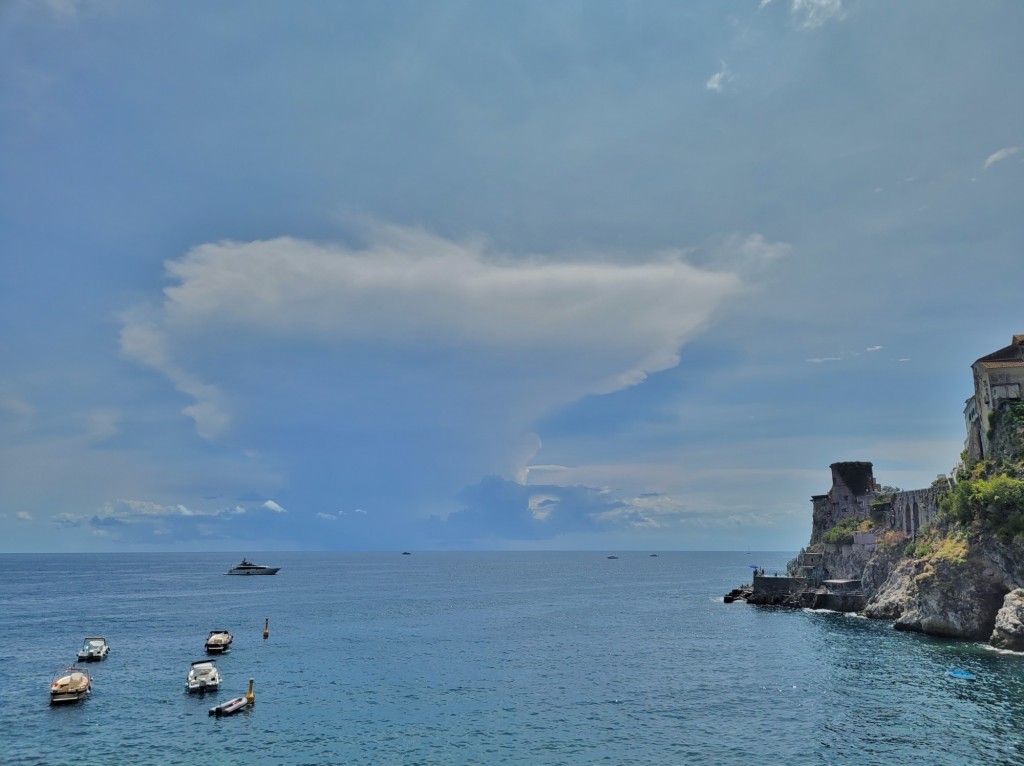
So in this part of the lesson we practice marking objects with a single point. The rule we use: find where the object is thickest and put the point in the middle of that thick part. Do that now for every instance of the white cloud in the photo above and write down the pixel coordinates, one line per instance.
(128, 520)
(1001, 155)
(816, 13)
(270, 505)
(873, 348)
(540, 506)
(600, 325)
(23, 515)
(822, 359)
(718, 80)
(127, 510)
(143, 340)
(523, 476)
(327, 516)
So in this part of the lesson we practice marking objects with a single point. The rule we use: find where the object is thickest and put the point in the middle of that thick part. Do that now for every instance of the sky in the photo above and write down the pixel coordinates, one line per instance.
(551, 274)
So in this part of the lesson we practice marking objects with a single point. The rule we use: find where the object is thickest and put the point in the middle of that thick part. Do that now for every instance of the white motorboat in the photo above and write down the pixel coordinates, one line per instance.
(70, 684)
(94, 649)
(248, 568)
(203, 676)
(218, 642)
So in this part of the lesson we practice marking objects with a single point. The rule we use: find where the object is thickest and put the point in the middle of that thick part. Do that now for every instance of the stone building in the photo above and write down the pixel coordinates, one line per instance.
(853, 487)
(998, 377)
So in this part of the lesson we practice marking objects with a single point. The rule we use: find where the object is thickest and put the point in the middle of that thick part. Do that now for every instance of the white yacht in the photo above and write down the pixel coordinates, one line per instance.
(203, 676)
(248, 568)
(94, 648)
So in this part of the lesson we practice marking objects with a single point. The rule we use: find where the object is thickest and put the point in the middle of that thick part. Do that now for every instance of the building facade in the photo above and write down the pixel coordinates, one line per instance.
(998, 377)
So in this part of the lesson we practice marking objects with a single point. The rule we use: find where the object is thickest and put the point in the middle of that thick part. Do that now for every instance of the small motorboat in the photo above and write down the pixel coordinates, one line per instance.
(70, 684)
(203, 676)
(960, 673)
(94, 649)
(248, 568)
(230, 707)
(218, 642)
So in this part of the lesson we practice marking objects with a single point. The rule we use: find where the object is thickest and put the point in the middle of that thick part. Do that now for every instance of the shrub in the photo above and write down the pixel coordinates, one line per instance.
(842, 533)
(995, 505)
(892, 538)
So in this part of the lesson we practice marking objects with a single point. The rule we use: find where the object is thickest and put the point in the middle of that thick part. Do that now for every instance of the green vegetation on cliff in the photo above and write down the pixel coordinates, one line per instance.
(989, 494)
(842, 533)
(994, 505)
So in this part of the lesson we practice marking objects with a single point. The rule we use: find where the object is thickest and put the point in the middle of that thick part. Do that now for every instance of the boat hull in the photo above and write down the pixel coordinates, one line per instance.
(263, 571)
(67, 698)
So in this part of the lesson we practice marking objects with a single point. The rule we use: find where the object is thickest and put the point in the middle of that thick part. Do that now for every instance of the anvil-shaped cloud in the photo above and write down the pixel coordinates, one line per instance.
(415, 348)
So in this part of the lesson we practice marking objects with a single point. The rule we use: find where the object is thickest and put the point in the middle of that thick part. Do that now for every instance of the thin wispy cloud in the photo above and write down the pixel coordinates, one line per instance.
(270, 505)
(842, 356)
(816, 13)
(132, 520)
(999, 156)
(718, 81)
(23, 516)
(13, 404)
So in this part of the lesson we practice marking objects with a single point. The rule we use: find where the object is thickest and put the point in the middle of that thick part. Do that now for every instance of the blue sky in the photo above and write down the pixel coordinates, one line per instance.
(454, 275)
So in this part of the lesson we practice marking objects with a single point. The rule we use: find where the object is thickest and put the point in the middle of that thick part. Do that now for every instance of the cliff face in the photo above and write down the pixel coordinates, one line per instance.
(967, 589)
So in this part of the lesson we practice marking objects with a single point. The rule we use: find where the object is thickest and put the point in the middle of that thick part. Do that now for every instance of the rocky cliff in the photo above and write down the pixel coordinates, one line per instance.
(950, 583)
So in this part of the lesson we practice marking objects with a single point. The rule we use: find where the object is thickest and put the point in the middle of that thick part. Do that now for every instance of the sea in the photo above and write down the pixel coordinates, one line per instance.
(481, 658)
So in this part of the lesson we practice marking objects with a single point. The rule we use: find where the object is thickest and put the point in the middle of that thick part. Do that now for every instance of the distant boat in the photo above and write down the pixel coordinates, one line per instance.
(654, 555)
(94, 648)
(958, 673)
(406, 553)
(613, 557)
(248, 568)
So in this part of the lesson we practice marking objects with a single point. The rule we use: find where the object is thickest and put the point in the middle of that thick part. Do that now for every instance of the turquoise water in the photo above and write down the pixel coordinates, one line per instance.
(481, 658)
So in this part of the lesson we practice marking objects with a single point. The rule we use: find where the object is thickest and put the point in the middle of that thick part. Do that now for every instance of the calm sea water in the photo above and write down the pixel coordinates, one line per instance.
(481, 658)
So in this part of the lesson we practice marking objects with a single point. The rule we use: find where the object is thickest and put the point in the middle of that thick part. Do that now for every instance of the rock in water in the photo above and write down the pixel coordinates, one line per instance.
(1009, 630)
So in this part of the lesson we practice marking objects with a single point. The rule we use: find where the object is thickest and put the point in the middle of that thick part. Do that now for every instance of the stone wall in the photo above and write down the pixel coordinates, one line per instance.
(911, 509)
